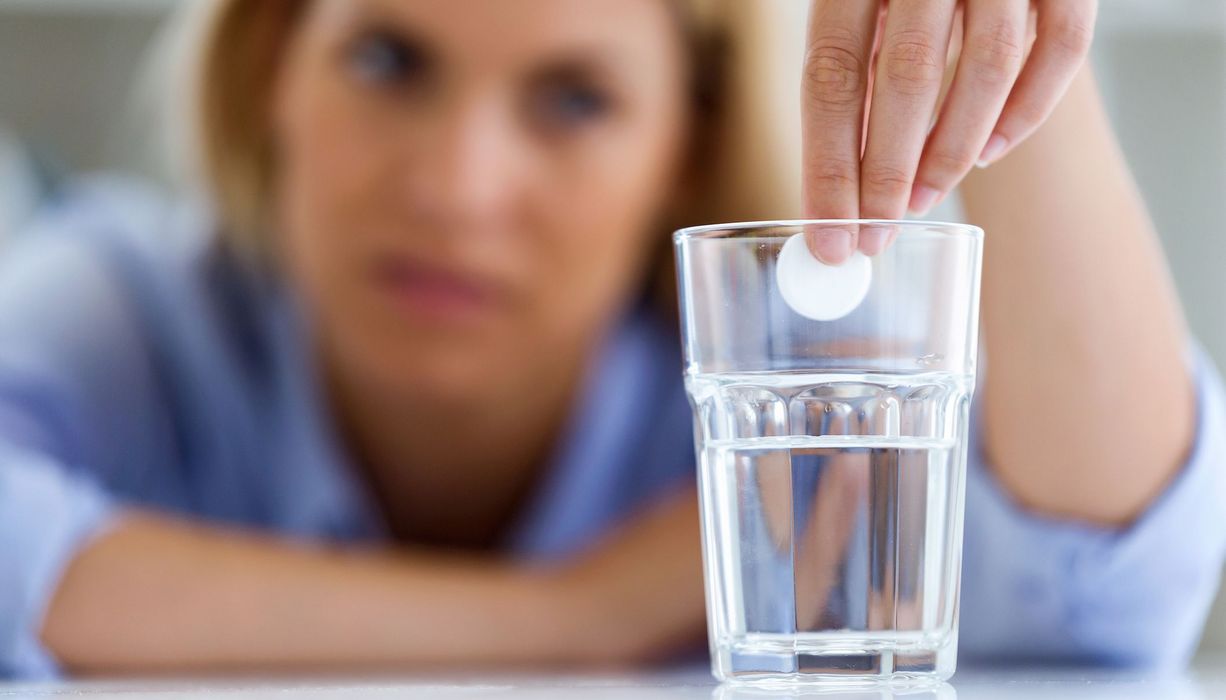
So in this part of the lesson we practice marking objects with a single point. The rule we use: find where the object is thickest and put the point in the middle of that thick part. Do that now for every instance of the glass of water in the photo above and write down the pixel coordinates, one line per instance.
(832, 453)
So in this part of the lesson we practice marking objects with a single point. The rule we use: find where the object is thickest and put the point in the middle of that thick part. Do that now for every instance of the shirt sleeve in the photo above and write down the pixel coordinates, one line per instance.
(1038, 589)
(47, 514)
(74, 393)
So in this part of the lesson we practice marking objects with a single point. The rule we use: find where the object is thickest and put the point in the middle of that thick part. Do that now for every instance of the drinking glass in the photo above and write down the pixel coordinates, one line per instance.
(832, 453)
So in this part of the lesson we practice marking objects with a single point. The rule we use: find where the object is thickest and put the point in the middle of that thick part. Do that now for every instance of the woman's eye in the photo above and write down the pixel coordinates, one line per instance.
(572, 105)
(380, 58)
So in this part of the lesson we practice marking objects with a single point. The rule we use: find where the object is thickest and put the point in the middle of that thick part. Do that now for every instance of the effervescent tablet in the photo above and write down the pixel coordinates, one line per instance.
(819, 291)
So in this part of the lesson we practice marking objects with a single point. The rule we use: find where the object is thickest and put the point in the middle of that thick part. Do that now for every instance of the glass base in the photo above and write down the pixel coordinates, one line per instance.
(775, 662)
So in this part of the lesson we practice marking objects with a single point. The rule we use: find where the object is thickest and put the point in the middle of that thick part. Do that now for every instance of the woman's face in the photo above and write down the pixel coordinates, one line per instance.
(464, 187)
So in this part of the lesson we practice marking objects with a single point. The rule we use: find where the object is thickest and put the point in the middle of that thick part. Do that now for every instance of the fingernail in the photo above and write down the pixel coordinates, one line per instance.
(832, 246)
(994, 149)
(875, 239)
(923, 199)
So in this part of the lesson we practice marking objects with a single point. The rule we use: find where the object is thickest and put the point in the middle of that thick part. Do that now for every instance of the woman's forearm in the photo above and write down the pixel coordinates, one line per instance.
(156, 595)
(1088, 406)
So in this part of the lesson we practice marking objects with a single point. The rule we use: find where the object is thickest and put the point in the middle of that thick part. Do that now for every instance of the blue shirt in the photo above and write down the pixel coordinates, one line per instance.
(140, 366)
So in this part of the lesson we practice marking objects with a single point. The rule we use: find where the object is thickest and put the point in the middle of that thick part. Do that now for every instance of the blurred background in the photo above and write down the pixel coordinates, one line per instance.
(78, 93)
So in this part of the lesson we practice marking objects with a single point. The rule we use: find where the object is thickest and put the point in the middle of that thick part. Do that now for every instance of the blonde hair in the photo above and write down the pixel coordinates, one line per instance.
(750, 164)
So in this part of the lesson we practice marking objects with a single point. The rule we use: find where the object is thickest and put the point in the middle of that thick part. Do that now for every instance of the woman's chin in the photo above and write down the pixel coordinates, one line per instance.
(441, 375)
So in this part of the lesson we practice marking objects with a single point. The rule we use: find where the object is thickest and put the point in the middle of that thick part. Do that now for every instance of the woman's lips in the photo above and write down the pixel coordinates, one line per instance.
(434, 293)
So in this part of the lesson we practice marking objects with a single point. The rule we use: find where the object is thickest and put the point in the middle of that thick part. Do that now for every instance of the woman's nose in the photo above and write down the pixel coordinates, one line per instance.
(467, 168)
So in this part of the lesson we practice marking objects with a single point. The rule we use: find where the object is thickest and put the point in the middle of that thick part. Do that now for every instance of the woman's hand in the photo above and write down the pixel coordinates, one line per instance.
(637, 595)
(156, 594)
(874, 73)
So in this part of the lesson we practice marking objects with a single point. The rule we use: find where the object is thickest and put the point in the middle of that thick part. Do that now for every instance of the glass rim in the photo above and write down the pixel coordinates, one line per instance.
(704, 231)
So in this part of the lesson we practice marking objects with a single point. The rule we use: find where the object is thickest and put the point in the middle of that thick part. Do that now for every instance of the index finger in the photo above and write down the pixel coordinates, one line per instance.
(840, 43)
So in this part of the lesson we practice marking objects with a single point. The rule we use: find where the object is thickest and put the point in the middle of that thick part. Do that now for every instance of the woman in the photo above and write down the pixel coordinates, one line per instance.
(411, 404)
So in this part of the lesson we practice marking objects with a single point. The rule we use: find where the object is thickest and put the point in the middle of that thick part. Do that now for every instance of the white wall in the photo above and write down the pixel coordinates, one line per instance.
(1167, 92)
(68, 78)
(67, 72)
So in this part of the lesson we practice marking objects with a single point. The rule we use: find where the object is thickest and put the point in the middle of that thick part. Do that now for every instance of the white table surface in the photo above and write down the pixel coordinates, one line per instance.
(1206, 681)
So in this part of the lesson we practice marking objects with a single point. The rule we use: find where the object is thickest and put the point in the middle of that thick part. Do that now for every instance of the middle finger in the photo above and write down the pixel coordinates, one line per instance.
(908, 82)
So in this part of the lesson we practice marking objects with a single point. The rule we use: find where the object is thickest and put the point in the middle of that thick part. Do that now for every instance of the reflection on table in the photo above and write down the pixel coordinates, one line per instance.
(1207, 681)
